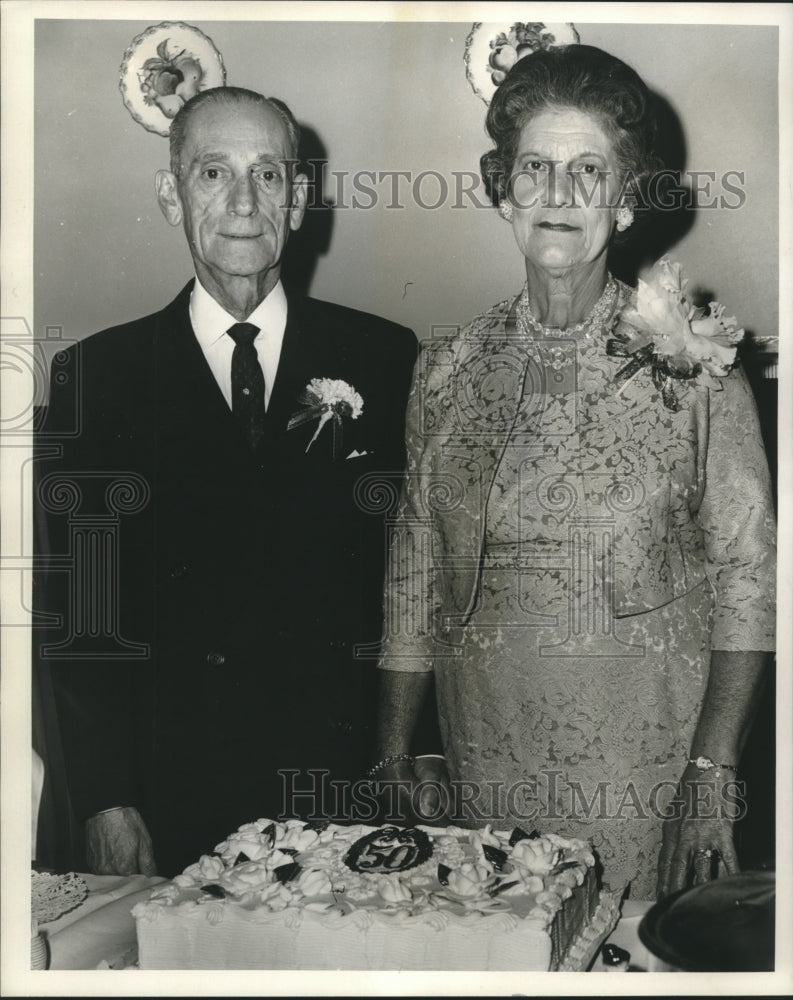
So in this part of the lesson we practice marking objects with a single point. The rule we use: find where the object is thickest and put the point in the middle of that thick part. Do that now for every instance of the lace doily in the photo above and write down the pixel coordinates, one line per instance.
(54, 895)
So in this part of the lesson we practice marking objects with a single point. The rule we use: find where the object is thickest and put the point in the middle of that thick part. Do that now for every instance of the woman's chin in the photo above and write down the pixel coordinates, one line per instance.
(554, 262)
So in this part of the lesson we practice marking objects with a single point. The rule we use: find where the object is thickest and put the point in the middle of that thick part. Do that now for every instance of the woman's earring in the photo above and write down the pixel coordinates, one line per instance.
(506, 210)
(624, 218)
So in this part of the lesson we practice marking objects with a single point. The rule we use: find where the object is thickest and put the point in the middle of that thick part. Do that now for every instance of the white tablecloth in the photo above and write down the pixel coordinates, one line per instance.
(101, 928)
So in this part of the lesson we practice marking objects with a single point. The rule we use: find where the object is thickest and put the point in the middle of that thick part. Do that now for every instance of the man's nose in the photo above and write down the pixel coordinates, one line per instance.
(242, 200)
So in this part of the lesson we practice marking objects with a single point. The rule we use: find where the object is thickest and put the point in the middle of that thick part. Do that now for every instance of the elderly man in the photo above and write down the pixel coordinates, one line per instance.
(254, 567)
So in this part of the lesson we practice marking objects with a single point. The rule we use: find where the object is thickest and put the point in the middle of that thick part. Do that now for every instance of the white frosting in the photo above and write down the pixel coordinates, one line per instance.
(536, 856)
(469, 879)
(393, 890)
(472, 890)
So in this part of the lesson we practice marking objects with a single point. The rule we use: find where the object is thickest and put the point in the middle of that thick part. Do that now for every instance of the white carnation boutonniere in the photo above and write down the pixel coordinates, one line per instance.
(327, 400)
(662, 329)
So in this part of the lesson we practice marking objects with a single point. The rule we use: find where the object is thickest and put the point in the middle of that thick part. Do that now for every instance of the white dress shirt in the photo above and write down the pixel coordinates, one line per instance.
(211, 321)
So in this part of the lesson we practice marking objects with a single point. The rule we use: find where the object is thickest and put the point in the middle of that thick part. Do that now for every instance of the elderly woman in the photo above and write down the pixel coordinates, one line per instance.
(584, 553)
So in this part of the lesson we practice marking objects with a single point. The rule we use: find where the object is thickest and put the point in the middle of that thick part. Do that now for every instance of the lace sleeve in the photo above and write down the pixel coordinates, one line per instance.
(409, 601)
(737, 518)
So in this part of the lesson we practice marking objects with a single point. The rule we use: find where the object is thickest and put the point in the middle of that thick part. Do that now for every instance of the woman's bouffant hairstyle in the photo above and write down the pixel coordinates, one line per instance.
(580, 77)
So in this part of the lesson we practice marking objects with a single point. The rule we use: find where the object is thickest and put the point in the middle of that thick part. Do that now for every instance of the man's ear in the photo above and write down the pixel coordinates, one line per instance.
(299, 197)
(168, 196)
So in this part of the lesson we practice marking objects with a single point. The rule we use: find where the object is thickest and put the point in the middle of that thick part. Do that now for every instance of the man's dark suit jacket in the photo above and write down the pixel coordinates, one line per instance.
(250, 576)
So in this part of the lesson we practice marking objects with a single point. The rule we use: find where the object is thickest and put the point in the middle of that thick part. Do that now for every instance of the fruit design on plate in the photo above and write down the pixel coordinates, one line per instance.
(521, 40)
(491, 50)
(163, 68)
(170, 78)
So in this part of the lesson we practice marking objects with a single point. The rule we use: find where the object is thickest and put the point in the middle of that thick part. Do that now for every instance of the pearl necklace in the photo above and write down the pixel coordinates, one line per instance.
(589, 327)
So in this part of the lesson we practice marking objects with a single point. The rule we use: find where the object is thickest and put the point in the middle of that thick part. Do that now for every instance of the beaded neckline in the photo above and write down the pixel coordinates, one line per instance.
(601, 311)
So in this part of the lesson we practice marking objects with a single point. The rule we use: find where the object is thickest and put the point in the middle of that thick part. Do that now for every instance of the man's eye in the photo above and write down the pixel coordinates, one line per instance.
(588, 168)
(269, 176)
(535, 165)
(212, 174)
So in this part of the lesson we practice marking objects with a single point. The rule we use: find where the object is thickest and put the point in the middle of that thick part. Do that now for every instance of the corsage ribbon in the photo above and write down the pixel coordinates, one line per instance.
(663, 370)
(327, 401)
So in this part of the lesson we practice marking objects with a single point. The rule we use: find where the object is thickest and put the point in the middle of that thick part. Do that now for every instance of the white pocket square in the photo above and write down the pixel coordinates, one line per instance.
(357, 454)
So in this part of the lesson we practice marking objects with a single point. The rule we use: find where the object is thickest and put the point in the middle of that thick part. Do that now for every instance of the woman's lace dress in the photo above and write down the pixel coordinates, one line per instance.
(559, 717)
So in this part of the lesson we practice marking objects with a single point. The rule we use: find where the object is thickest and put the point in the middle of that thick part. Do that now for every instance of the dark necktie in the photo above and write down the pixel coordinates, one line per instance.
(247, 382)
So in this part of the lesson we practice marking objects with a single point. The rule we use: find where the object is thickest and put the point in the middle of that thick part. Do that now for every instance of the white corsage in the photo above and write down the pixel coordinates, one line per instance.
(327, 399)
(678, 340)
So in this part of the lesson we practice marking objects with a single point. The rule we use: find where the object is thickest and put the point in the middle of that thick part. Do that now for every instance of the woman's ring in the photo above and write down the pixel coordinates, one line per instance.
(704, 852)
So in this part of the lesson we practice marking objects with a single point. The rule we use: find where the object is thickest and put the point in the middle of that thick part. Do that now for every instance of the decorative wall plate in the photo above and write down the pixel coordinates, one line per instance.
(492, 49)
(163, 68)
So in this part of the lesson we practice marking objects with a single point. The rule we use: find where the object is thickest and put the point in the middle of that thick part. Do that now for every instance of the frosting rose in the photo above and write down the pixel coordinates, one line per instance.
(246, 877)
(393, 890)
(253, 875)
(314, 882)
(255, 827)
(469, 879)
(536, 856)
(206, 868)
(248, 842)
(297, 838)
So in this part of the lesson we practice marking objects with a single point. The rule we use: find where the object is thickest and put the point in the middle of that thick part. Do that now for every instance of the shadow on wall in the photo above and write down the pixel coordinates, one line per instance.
(312, 240)
(673, 211)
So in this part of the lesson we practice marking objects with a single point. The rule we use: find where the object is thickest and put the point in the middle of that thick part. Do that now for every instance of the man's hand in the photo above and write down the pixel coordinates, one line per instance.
(118, 843)
(432, 789)
(416, 793)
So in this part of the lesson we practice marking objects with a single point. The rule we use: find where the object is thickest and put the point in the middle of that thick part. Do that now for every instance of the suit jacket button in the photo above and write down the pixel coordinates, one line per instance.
(216, 659)
(178, 571)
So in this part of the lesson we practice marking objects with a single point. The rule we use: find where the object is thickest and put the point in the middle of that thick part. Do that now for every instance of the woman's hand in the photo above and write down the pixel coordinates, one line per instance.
(416, 792)
(698, 837)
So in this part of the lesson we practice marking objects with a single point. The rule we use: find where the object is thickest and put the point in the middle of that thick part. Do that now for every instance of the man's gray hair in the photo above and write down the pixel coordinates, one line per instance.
(231, 96)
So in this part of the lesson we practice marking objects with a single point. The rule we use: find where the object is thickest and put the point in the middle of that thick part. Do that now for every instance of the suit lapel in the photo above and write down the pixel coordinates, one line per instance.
(309, 350)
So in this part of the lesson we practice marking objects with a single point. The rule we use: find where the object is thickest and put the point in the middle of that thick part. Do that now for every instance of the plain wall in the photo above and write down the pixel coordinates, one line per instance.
(379, 96)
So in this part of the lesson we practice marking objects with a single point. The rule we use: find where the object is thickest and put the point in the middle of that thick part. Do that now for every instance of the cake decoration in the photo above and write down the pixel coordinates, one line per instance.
(389, 849)
(496, 857)
(214, 890)
(285, 873)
